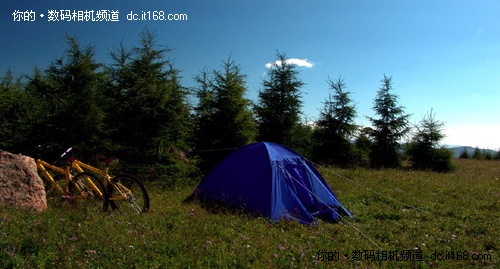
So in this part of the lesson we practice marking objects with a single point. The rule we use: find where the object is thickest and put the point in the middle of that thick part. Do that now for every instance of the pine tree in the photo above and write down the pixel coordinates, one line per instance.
(363, 145)
(279, 105)
(477, 154)
(223, 116)
(302, 138)
(423, 151)
(464, 154)
(336, 127)
(150, 114)
(70, 97)
(391, 126)
(15, 109)
(204, 131)
(487, 155)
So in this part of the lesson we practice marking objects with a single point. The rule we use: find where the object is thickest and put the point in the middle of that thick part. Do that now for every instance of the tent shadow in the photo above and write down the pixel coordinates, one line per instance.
(220, 208)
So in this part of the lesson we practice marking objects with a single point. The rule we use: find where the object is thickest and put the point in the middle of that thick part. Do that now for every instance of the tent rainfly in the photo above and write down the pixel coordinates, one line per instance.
(274, 181)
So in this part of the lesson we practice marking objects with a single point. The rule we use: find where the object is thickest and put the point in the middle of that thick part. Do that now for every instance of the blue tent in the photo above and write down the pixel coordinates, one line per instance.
(273, 181)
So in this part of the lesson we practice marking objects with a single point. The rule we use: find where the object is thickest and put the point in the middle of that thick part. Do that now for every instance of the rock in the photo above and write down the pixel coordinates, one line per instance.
(20, 184)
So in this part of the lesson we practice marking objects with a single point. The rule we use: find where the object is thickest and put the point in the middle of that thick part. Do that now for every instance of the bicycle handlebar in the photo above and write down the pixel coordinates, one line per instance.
(36, 150)
(66, 152)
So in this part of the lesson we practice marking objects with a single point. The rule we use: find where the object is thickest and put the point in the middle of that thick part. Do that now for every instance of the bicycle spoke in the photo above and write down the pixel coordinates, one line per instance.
(127, 194)
(88, 190)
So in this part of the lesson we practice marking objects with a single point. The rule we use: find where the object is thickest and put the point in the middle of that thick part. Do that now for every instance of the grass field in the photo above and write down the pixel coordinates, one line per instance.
(437, 220)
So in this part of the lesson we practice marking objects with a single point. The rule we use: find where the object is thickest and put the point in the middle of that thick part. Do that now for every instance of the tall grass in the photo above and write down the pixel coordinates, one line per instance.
(395, 210)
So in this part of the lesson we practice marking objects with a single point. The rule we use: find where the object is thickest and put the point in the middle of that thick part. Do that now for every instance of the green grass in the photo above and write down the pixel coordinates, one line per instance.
(394, 209)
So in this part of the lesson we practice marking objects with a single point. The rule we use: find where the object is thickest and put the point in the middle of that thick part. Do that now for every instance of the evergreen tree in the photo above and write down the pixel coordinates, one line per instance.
(223, 116)
(487, 155)
(336, 127)
(423, 151)
(391, 126)
(70, 100)
(150, 114)
(279, 104)
(362, 146)
(9, 83)
(204, 134)
(464, 154)
(477, 154)
(15, 110)
(302, 139)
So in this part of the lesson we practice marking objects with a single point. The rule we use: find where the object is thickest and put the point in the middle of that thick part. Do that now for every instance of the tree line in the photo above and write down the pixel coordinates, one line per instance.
(479, 154)
(136, 109)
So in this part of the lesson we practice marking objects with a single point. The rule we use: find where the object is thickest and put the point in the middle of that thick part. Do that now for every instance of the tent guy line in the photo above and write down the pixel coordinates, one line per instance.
(375, 192)
(340, 216)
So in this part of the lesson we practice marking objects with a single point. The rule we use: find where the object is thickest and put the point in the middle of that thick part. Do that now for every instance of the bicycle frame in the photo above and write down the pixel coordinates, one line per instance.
(43, 166)
(79, 166)
(73, 184)
(107, 178)
(116, 188)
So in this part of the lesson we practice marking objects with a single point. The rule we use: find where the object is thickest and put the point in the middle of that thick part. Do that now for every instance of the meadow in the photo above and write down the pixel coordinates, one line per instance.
(403, 219)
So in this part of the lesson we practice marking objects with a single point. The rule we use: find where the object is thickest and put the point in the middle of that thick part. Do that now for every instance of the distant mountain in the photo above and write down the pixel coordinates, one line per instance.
(457, 150)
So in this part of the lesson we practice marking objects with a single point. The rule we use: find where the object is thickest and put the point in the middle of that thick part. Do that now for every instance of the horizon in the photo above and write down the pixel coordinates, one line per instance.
(438, 59)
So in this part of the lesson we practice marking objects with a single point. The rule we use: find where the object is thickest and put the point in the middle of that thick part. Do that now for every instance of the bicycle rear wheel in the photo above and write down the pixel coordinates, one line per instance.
(127, 195)
(88, 190)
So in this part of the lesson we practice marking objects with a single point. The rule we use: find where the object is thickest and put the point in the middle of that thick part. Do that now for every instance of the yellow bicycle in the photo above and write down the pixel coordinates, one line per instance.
(124, 193)
(81, 186)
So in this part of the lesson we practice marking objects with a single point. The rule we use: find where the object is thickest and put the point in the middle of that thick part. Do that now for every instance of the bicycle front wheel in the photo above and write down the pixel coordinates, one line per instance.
(127, 195)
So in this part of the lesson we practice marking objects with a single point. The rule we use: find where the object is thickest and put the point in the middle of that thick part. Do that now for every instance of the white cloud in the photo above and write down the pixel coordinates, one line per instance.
(295, 61)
